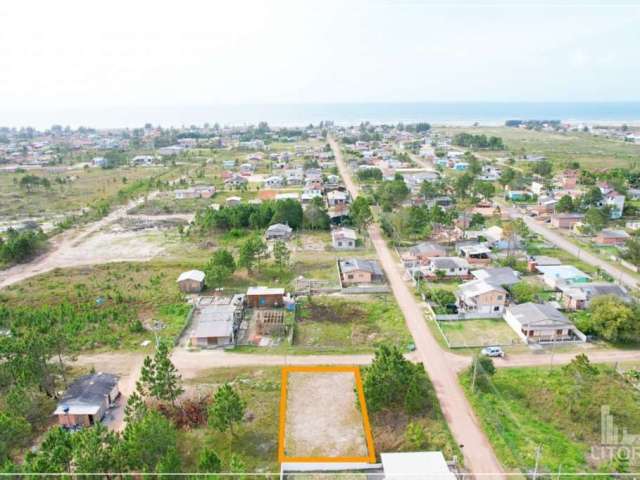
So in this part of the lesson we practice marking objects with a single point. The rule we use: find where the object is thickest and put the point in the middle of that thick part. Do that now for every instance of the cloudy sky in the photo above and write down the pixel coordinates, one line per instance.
(84, 54)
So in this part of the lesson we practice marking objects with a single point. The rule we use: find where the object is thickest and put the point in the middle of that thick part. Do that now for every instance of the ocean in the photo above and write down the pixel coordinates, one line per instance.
(452, 113)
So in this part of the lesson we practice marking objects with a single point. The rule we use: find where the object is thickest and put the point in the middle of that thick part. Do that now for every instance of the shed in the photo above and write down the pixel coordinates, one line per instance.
(191, 281)
(261, 297)
(415, 466)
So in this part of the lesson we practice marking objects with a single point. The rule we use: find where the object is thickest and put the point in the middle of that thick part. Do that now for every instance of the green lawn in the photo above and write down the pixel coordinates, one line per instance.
(559, 410)
(478, 332)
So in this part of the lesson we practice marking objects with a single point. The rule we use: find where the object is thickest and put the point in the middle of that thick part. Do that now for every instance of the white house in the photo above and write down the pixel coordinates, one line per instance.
(536, 323)
(343, 238)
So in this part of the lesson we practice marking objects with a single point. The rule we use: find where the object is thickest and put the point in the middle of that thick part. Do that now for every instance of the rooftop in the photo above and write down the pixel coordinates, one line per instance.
(539, 315)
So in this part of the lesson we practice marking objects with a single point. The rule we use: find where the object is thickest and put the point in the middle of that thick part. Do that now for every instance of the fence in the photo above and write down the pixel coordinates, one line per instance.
(468, 316)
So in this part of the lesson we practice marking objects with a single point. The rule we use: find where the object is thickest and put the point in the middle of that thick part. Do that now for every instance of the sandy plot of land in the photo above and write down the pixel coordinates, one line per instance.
(323, 418)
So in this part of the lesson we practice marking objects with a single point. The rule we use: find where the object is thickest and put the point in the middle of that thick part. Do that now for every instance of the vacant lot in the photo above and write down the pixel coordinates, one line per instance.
(323, 416)
(590, 151)
(353, 324)
(478, 332)
(71, 190)
(559, 409)
(256, 440)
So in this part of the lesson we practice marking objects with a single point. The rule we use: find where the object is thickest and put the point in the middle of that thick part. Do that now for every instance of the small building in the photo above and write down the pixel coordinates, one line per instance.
(87, 399)
(343, 238)
(611, 237)
(278, 231)
(447, 268)
(215, 321)
(543, 261)
(578, 297)
(517, 195)
(191, 281)
(337, 198)
(556, 275)
(235, 181)
(232, 201)
(481, 297)
(275, 181)
(566, 220)
(541, 323)
(415, 465)
(423, 252)
(500, 276)
(632, 225)
(477, 254)
(569, 179)
(265, 297)
(354, 271)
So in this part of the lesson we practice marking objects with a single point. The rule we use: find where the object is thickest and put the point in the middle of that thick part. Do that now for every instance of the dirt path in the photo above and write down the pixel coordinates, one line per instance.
(478, 454)
(63, 250)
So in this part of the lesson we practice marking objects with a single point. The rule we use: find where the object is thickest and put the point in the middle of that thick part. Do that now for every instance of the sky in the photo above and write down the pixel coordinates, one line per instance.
(79, 54)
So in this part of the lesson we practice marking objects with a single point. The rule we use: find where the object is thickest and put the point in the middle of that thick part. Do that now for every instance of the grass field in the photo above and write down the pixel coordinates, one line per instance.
(256, 442)
(590, 151)
(81, 188)
(558, 410)
(478, 332)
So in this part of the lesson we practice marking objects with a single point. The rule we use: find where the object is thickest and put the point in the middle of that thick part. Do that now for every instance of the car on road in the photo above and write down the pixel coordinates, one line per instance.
(492, 352)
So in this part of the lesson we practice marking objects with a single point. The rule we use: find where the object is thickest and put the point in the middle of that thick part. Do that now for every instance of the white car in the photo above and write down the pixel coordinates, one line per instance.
(493, 352)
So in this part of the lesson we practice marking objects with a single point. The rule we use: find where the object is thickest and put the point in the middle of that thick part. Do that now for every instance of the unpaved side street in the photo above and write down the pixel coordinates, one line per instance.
(478, 454)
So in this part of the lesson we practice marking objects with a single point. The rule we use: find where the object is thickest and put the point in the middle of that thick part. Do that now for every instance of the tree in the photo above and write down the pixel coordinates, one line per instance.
(390, 378)
(281, 253)
(54, 455)
(523, 292)
(463, 185)
(94, 450)
(595, 219)
(147, 442)
(160, 377)
(481, 371)
(14, 431)
(614, 320)
(288, 212)
(250, 250)
(360, 212)
(316, 217)
(593, 197)
(565, 204)
(485, 189)
(507, 176)
(220, 267)
(136, 407)
(208, 461)
(227, 409)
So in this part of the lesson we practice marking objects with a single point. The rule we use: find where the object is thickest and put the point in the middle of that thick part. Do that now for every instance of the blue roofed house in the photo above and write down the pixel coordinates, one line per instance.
(559, 275)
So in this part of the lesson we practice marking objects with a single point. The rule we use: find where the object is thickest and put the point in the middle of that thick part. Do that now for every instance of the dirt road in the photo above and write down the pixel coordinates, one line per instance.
(478, 454)
(64, 250)
(557, 239)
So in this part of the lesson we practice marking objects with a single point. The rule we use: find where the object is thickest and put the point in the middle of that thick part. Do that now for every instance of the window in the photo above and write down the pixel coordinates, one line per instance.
(350, 277)
(499, 297)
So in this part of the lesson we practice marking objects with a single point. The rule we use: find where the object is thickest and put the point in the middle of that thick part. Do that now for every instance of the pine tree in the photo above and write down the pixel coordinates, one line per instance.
(160, 377)
(227, 409)
(208, 461)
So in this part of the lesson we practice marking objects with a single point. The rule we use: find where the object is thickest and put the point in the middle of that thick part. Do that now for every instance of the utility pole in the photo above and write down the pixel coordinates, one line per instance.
(475, 370)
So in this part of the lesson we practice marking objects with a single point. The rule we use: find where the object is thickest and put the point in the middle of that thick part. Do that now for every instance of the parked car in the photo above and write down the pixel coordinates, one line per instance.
(493, 352)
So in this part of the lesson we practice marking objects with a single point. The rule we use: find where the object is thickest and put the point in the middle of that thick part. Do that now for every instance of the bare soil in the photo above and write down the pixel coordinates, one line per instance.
(323, 416)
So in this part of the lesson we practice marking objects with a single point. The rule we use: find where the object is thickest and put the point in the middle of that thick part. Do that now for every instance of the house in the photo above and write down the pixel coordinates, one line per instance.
(337, 198)
(228, 164)
(569, 179)
(423, 252)
(414, 465)
(100, 161)
(278, 231)
(142, 160)
(247, 169)
(541, 322)
(481, 297)
(235, 181)
(460, 166)
(566, 220)
(537, 188)
(476, 253)
(556, 275)
(87, 400)
(263, 297)
(611, 237)
(275, 181)
(287, 196)
(354, 271)
(496, 239)
(447, 268)
(343, 238)
(294, 176)
(232, 201)
(615, 201)
(191, 281)
(215, 321)
(632, 225)
(541, 260)
(501, 276)
(578, 297)
(195, 192)
(517, 195)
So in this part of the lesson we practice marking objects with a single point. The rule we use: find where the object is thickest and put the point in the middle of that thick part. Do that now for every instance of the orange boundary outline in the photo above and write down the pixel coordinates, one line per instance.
(371, 458)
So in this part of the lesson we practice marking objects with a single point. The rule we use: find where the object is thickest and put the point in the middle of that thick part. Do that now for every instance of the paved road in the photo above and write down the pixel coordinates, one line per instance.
(478, 454)
(557, 239)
